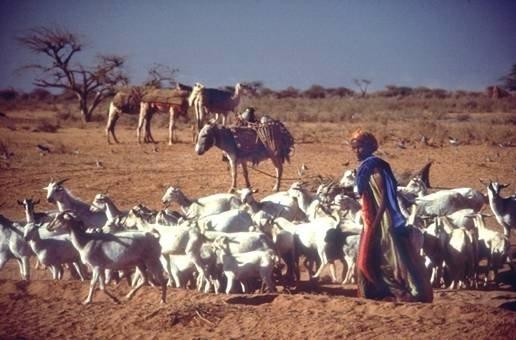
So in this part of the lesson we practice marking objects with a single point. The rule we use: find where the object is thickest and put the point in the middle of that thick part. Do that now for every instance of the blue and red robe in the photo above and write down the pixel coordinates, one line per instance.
(387, 264)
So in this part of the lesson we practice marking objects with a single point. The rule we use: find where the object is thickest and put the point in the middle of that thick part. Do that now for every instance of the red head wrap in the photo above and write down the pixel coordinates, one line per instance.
(365, 139)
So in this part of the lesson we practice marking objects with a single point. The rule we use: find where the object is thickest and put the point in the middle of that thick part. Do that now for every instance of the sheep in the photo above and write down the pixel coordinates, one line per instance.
(53, 252)
(207, 205)
(504, 208)
(124, 250)
(58, 194)
(247, 265)
(493, 246)
(13, 245)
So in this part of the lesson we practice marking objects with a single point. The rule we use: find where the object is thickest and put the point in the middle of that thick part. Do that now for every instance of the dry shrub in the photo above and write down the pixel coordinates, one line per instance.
(45, 125)
(464, 117)
(67, 116)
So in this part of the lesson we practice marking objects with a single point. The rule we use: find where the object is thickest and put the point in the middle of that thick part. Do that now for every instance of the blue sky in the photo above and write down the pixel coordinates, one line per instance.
(451, 44)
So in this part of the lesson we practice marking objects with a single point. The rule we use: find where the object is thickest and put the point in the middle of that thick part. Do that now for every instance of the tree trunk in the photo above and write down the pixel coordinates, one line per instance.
(85, 112)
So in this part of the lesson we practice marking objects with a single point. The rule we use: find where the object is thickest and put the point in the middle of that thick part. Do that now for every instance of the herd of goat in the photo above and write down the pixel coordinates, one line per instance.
(217, 240)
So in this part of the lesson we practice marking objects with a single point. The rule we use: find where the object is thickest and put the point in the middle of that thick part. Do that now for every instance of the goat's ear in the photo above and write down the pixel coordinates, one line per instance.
(19, 202)
(36, 202)
(484, 182)
(504, 185)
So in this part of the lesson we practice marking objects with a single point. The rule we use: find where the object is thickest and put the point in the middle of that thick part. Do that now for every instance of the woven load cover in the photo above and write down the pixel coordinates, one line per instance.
(126, 99)
(167, 96)
(276, 138)
(272, 135)
(246, 140)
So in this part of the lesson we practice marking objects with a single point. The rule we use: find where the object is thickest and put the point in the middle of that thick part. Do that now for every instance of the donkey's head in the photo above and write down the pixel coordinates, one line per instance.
(206, 139)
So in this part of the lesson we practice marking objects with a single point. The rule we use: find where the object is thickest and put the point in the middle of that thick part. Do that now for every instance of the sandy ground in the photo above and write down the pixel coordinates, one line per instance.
(133, 173)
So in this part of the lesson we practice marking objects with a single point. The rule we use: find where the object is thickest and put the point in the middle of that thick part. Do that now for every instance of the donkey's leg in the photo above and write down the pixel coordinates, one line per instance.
(233, 168)
(246, 174)
(279, 172)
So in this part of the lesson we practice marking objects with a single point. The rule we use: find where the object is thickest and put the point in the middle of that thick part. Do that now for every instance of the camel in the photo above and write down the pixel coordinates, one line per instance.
(145, 104)
(214, 101)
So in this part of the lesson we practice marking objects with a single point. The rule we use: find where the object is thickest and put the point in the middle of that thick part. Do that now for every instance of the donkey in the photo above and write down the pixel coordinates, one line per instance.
(225, 139)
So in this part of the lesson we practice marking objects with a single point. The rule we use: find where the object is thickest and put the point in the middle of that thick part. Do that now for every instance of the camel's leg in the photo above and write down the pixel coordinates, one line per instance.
(279, 172)
(141, 120)
(246, 174)
(113, 116)
(172, 126)
(148, 119)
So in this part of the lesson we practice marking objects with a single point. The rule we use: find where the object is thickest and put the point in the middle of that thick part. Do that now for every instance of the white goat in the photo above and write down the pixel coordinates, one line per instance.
(13, 246)
(115, 217)
(245, 266)
(280, 204)
(230, 221)
(177, 240)
(311, 241)
(441, 203)
(53, 252)
(459, 255)
(58, 194)
(348, 179)
(493, 246)
(121, 251)
(350, 251)
(203, 206)
(504, 208)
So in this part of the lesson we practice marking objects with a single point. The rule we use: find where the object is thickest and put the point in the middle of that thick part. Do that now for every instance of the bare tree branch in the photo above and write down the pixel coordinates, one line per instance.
(60, 46)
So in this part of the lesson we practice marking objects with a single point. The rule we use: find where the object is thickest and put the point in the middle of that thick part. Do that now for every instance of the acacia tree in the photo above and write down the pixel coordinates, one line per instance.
(89, 84)
(362, 85)
(159, 74)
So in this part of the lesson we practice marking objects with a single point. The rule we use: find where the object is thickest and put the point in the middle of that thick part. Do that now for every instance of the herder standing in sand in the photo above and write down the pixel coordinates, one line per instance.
(387, 263)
